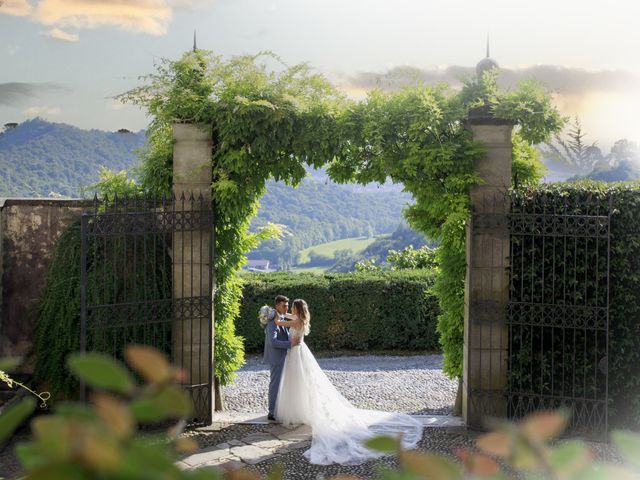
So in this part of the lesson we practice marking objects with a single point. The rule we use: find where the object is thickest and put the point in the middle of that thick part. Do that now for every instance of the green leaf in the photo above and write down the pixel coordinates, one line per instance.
(75, 410)
(9, 363)
(570, 457)
(54, 471)
(29, 455)
(11, 419)
(101, 371)
(384, 444)
(605, 472)
(433, 467)
(628, 444)
(147, 410)
(170, 402)
(148, 458)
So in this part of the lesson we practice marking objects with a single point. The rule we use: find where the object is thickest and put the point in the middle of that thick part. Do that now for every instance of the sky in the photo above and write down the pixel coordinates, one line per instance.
(65, 60)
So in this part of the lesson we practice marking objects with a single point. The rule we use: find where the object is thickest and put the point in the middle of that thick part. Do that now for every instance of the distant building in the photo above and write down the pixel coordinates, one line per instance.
(260, 266)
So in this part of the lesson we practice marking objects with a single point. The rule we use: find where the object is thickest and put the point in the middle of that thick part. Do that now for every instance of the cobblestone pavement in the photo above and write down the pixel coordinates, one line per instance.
(410, 384)
(264, 445)
(261, 447)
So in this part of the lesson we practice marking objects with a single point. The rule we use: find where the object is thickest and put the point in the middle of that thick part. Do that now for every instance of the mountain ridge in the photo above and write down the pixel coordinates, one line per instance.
(41, 158)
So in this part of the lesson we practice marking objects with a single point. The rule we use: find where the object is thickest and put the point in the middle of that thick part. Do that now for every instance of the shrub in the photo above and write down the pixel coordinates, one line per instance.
(358, 311)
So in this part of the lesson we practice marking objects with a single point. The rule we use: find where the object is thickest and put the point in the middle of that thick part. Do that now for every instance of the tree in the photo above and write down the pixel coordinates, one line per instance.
(620, 165)
(342, 255)
(624, 150)
(410, 258)
(8, 126)
(574, 150)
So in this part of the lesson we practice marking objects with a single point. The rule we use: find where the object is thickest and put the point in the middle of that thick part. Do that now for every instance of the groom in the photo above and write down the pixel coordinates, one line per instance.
(276, 344)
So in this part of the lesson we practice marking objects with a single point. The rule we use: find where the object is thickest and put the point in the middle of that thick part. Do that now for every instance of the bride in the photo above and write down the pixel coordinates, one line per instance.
(307, 396)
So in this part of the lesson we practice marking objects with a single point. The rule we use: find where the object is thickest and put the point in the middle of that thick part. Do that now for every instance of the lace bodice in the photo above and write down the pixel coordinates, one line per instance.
(296, 332)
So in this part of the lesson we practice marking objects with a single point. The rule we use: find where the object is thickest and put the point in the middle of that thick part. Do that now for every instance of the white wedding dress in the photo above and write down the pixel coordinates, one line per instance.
(307, 396)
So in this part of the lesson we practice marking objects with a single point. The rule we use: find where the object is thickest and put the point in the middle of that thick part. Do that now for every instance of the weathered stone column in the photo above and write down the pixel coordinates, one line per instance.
(487, 278)
(191, 260)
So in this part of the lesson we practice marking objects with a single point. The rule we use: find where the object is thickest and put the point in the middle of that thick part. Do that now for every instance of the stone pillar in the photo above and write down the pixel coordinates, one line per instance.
(487, 277)
(191, 259)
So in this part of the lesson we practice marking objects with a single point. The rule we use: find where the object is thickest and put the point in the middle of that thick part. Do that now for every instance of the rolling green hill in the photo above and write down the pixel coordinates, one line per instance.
(356, 245)
(318, 212)
(40, 158)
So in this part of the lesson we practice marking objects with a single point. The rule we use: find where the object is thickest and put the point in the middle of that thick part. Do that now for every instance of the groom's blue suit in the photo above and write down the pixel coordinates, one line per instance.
(276, 344)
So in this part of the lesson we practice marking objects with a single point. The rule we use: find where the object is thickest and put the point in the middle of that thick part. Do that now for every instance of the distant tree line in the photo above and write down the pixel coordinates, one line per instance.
(622, 163)
(319, 212)
(378, 252)
(39, 158)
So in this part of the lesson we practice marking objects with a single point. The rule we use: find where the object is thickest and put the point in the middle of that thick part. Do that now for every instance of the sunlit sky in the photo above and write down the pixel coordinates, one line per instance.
(64, 60)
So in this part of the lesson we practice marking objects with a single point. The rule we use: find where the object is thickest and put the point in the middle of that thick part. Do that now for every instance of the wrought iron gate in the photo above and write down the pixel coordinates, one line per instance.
(146, 278)
(558, 311)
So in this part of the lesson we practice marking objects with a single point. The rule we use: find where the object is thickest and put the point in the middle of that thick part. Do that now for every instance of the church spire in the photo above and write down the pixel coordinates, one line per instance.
(195, 47)
(486, 63)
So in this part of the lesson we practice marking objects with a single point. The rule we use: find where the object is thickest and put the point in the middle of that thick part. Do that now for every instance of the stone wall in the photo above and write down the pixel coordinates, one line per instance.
(29, 229)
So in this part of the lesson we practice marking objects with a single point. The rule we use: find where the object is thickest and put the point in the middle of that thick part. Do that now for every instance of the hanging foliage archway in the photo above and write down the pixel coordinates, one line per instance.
(269, 120)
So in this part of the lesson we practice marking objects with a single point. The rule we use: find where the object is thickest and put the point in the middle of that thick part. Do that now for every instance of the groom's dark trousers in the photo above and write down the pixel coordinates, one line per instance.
(276, 344)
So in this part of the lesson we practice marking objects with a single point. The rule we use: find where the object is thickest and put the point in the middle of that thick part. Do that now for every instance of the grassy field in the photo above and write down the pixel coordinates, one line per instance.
(328, 249)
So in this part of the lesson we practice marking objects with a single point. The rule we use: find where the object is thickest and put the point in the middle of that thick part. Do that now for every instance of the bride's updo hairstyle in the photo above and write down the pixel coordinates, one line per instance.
(303, 312)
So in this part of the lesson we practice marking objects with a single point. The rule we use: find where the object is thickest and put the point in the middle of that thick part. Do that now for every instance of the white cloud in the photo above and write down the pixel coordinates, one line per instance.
(189, 4)
(146, 16)
(18, 8)
(61, 35)
(42, 110)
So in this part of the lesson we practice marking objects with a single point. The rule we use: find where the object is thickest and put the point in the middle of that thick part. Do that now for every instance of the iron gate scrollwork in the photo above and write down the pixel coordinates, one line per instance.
(147, 278)
(558, 310)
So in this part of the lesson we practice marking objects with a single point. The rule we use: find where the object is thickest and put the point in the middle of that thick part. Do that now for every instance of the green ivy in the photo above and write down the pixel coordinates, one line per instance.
(58, 313)
(269, 123)
(577, 260)
(418, 137)
(266, 124)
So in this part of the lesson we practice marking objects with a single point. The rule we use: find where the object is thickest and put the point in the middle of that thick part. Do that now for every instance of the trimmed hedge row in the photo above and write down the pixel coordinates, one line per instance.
(624, 287)
(351, 311)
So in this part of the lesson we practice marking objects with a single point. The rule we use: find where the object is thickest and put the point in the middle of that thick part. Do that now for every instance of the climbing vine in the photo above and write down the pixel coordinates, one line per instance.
(267, 123)
(270, 119)
(418, 138)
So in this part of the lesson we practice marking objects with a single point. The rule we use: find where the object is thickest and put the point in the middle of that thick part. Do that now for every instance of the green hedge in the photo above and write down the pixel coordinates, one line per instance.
(624, 288)
(352, 311)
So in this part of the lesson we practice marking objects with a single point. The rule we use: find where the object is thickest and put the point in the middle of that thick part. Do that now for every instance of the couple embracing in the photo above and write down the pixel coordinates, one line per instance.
(301, 393)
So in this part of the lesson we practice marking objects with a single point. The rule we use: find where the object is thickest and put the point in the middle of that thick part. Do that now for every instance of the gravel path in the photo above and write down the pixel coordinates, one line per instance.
(410, 384)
